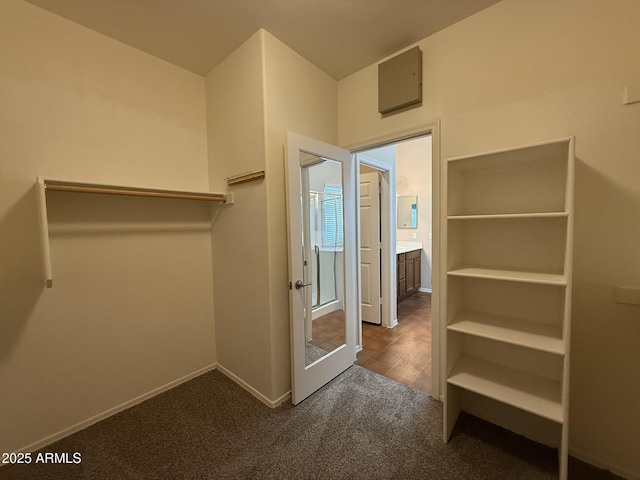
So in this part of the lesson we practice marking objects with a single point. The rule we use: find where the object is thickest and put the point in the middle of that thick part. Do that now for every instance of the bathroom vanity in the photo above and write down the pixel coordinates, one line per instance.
(408, 255)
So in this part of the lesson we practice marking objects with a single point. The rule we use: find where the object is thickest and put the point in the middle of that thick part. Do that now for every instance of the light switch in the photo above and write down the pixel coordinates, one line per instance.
(628, 295)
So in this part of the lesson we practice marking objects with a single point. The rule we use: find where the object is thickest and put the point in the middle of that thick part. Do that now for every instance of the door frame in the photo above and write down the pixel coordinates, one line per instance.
(387, 213)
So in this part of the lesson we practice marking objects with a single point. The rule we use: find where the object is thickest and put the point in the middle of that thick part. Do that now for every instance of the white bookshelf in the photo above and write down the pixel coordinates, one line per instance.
(509, 236)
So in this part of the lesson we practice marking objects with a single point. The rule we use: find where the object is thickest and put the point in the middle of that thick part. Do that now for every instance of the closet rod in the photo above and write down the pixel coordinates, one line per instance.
(136, 192)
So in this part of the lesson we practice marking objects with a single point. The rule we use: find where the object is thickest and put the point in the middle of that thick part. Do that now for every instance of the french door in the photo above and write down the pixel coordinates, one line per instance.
(322, 258)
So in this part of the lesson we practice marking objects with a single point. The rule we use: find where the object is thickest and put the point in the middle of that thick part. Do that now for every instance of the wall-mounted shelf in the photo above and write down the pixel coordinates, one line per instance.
(245, 177)
(84, 187)
(46, 184)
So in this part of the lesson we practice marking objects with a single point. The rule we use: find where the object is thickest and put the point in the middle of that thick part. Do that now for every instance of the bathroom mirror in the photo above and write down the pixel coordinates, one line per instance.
(323, 255)
(408, 211)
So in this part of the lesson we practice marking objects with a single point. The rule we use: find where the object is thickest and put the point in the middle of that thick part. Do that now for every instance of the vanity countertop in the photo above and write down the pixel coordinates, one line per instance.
(404, 247)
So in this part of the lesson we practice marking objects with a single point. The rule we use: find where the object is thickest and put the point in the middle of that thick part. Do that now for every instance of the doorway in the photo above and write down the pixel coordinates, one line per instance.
(399, 344)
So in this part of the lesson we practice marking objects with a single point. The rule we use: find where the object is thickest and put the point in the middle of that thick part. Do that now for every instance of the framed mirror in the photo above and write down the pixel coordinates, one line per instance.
(407, 211)
(323, 252)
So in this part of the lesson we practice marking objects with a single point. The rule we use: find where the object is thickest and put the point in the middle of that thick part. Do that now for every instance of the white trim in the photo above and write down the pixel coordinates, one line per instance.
(253, 391)
(394, 137)
(425, 290)
(112, 411)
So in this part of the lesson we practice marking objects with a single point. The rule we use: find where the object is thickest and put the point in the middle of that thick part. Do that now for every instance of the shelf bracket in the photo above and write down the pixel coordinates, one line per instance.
(44, 232)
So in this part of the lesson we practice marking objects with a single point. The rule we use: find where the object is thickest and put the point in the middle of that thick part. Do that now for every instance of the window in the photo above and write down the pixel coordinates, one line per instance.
(333, 232)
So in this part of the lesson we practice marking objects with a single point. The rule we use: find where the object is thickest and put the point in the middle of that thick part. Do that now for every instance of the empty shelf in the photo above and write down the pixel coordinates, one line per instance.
(46, 184)
(510, 275)
(527, 392)
(538, 336)
(505, 216)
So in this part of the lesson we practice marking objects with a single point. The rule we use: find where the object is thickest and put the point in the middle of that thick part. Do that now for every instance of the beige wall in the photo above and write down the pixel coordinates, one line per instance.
(522, 72)
(414, 177)
(257, 94)
(131, 309)
(235, 122)
(302, 98)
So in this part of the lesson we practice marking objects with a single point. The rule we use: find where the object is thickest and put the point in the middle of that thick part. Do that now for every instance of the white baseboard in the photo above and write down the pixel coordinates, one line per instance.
(425, 290)
(112, 411)
(253, 391)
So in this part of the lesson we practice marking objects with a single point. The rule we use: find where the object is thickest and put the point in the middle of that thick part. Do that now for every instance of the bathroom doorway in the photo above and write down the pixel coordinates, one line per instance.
(399, 344)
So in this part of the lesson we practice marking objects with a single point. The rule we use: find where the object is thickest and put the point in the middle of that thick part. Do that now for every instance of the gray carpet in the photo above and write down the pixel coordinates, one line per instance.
(359, 426)
(313, 353)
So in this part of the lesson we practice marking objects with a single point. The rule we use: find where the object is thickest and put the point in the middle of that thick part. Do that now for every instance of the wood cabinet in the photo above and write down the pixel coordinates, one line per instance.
(509, 231)
(409, 273)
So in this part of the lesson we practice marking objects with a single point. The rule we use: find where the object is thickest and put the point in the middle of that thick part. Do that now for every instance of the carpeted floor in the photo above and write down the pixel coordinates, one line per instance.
(359, 426)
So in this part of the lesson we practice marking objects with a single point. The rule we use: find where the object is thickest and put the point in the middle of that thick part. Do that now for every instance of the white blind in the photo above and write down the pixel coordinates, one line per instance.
(333, 232)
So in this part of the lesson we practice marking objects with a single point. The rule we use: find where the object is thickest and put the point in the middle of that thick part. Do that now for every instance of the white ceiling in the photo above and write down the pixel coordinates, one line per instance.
(338, 36)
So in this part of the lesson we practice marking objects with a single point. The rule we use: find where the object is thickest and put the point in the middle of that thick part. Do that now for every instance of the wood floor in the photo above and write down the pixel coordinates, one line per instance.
(402, 353)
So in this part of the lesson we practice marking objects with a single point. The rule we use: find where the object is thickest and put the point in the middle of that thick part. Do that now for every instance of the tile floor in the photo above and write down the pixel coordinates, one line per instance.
(402, 353)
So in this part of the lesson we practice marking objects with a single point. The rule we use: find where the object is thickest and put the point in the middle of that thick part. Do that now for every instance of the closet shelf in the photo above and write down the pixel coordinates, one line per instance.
(534, 335)
(510, 275)
(46, 184)
(506, 216)
(85, 187)
(527, 392)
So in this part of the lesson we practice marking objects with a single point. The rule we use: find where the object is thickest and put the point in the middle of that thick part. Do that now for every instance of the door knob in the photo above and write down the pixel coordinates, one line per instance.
(299, 284)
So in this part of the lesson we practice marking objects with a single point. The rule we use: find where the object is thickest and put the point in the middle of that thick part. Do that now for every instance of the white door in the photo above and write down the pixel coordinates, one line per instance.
(370, 246)
(321, 177)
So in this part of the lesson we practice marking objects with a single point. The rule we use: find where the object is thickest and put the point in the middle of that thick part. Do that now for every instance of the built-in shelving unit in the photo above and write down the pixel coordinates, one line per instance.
(46, 184)
(509, 232)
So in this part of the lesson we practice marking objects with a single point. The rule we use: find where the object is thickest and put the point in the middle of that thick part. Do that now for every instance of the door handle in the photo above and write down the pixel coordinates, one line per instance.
(299, 284)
